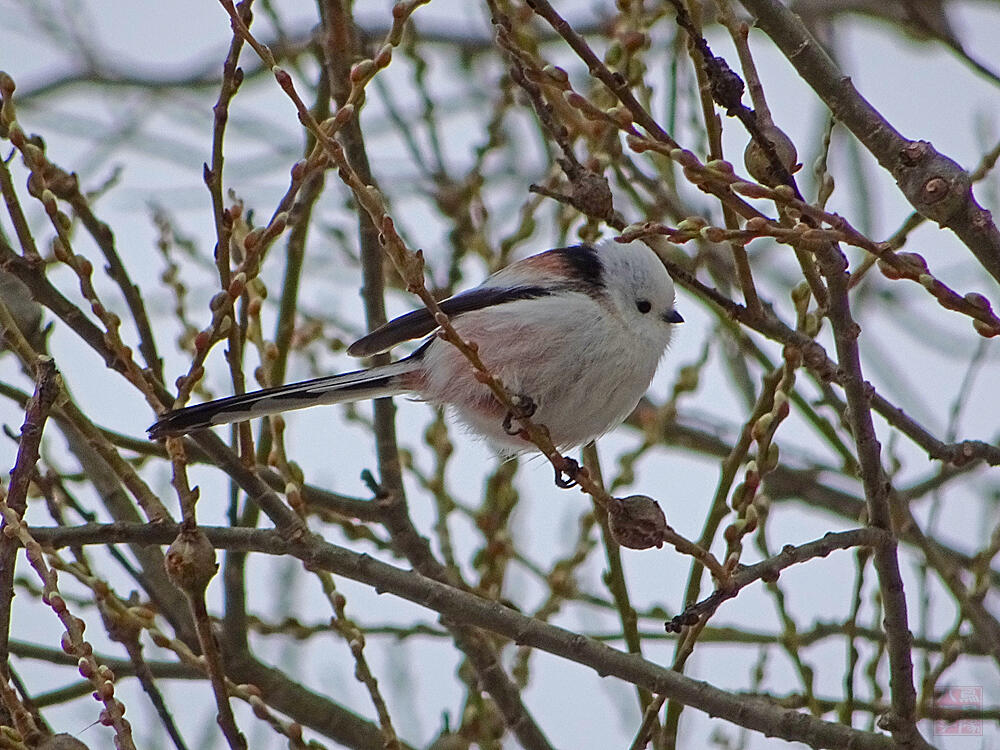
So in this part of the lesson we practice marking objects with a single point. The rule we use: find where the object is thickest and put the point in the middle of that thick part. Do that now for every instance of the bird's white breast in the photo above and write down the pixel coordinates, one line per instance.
(579, 362)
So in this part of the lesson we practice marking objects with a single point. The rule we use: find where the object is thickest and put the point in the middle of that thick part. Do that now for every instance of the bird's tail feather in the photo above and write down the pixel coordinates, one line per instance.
(376, 382)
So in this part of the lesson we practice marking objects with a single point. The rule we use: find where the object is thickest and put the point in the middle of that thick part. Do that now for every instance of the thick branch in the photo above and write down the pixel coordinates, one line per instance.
(467, 608)
(935, 185)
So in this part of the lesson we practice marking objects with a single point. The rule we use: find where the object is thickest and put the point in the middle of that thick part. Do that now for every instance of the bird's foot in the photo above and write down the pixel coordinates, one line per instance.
(566, 471)
(523, 407)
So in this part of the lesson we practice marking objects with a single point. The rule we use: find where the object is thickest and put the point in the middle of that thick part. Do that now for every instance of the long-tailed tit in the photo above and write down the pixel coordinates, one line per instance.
(576, 332)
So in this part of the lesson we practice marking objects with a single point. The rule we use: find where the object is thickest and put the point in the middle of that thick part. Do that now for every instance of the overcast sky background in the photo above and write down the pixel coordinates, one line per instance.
(921, 88)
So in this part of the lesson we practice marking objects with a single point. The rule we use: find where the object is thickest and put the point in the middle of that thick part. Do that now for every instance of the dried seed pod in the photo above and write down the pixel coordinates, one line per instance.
(637, 522)
(759, 165)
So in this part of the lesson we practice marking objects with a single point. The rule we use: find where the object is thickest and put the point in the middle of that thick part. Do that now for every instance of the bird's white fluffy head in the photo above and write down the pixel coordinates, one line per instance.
(638, 286)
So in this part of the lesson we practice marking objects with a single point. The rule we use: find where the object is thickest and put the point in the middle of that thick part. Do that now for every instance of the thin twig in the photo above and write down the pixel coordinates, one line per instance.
(877, 486)
(35, 415)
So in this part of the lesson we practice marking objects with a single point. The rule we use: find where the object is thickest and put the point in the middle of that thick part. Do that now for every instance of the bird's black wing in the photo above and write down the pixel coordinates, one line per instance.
(419, 323)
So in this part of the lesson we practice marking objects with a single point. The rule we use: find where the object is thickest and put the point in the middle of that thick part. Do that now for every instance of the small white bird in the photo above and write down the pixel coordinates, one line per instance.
(576, 333)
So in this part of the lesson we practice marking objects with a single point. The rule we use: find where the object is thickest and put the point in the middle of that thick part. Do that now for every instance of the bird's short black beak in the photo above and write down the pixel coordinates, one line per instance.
(673, 317)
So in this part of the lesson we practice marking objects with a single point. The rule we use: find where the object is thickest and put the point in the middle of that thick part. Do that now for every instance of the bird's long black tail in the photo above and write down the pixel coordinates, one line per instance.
(376, 382)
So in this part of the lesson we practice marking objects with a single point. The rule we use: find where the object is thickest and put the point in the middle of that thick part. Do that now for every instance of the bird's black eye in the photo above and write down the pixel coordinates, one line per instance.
(643, 306)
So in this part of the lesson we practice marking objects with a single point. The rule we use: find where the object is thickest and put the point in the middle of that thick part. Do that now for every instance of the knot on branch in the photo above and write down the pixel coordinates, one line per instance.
(725, 85)
(937, 186)
(591, 194)
(190, 561)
